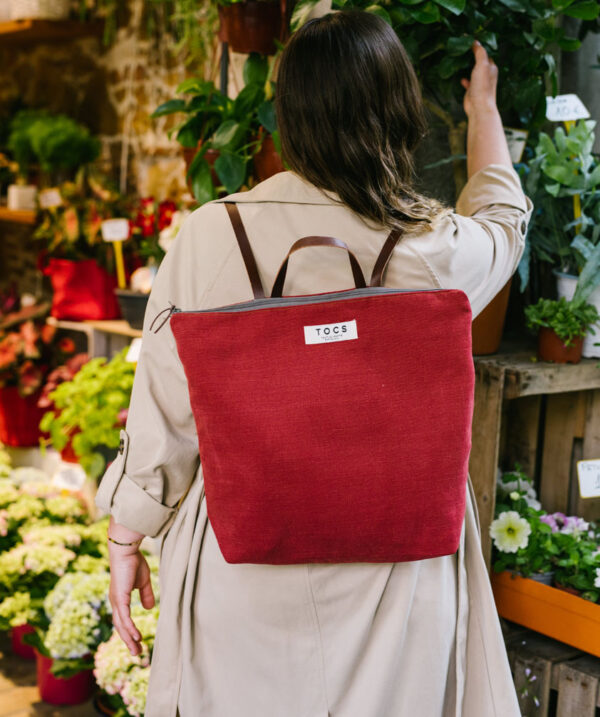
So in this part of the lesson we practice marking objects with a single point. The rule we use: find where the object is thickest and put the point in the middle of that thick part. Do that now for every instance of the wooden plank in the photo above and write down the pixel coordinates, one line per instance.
(589, 508)
(578, 687)
(21, 31)
(521, 434)
(525, 377)
(483, 463)
(559, 430)
(17, 216)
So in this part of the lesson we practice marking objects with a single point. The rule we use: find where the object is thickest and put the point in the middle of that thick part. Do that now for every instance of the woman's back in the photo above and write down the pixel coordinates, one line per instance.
(353, 640)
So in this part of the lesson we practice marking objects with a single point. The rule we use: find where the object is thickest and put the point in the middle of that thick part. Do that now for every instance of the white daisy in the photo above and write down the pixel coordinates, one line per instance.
(510, 532)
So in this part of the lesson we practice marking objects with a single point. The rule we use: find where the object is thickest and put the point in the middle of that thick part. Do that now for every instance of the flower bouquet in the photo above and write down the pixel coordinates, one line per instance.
(28, 352)
(151, 227)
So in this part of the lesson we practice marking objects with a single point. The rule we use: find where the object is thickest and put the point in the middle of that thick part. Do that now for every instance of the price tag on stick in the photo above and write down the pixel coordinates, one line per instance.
(565, 108)
(588, 473)
(116, 231)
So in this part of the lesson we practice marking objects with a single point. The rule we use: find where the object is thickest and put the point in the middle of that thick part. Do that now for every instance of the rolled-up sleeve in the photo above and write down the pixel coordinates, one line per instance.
(158, 456)
(480, 245)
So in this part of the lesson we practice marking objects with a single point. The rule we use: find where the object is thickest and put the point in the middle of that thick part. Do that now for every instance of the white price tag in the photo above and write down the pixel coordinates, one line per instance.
(133, 354)
(564, 108)
(588, 473)
(115, 229)
(516, 139)
(49, 198)
(69, 476)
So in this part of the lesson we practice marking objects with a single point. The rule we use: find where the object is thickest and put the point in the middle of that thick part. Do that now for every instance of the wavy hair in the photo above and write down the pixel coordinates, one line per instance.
(350, 115)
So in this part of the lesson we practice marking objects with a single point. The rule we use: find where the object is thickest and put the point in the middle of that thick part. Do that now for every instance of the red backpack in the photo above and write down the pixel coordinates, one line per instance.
(336, 427)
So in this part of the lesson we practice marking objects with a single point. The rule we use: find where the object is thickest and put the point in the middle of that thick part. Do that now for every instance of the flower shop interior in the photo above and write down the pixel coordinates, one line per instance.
(118, 119)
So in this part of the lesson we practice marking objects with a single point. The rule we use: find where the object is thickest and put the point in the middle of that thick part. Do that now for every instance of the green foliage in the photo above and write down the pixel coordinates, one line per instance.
(19, 139)
(56, 142)
(87, 410)
(568, 319)
(519, 35)
(213, 121)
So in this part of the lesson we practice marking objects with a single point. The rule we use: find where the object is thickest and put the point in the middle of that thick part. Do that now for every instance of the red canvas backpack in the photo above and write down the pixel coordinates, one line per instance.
(336, 427)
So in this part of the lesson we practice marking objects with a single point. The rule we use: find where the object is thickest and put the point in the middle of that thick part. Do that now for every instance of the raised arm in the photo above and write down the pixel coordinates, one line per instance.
(486, 143)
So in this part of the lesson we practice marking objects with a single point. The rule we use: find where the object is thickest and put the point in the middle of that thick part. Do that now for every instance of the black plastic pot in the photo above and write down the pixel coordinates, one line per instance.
(133, 306)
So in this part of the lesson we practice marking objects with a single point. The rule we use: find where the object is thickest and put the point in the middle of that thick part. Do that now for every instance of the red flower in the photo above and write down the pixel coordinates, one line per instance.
(66, 345)
(166, 210)
(122, 416)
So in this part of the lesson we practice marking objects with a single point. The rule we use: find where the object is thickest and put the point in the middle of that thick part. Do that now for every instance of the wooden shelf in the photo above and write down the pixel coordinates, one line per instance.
(25, 31)
(526, 377)
(17, 216)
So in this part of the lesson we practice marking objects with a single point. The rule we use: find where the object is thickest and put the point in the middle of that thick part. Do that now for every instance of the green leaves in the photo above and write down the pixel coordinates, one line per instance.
(587, 10)
(169, 107)
(256, 69)
(201, 179)
(231, 169)
(568, 319)
(266, 116)
(455, 6)
(225, 134)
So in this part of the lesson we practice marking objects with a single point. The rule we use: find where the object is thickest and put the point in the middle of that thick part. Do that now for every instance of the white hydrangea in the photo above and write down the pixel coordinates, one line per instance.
(74, 630)
(28, 474)
(17, 609)
(66, 536)
(25, 507)
(135, 690)
(65, 507)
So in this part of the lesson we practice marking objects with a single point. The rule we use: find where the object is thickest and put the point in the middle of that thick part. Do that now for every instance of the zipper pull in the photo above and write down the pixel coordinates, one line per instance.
(172, 309)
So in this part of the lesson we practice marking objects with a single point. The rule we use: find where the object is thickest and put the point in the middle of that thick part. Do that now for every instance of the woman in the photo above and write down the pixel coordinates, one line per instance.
(359, 640)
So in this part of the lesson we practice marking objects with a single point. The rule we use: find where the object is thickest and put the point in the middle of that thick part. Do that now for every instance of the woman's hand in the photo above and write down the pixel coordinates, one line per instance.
(128, 571)
(481, 88)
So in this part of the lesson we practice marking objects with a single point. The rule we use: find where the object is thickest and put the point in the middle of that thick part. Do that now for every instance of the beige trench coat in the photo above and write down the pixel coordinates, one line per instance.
(417, 639)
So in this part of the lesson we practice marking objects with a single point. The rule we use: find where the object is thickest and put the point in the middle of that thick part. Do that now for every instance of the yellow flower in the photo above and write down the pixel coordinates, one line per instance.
(510, 532)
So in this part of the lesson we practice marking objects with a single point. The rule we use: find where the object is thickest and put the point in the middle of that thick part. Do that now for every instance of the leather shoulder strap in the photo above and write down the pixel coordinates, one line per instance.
(384, 257)
(245, 249)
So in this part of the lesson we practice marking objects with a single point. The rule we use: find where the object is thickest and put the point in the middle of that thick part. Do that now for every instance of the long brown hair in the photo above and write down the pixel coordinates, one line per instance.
(350, 114)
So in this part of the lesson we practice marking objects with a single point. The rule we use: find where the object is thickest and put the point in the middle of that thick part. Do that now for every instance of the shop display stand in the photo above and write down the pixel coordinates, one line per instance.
(552, 679)
(541, 415)
(104, 338)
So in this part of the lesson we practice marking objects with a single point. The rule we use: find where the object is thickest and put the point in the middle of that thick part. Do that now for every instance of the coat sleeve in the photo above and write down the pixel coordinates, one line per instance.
(158, 457)
(478, 248)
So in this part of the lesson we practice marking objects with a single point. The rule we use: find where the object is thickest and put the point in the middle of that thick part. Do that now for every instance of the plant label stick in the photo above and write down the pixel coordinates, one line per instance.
(116, 231)
(588, 473)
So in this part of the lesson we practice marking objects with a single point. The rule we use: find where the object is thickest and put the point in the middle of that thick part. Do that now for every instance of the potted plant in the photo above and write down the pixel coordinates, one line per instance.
(90, 410)
(522, 541)
(252, 25)
(59, 375)
(151, 222)
(564, 182)
(79, 263)
(29, 350)
(226, 135)
(561, 326)
(76, 618)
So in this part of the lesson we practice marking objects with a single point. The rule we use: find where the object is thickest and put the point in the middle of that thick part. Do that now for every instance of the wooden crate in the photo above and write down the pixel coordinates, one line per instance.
(552, 679)
(545, 417)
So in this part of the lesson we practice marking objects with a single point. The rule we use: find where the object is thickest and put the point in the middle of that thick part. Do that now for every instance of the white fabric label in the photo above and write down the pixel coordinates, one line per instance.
(589, 478)
(328, 333)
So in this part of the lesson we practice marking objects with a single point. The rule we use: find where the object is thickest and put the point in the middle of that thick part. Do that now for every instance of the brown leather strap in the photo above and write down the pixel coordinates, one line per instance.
(245, 249)
(384, 257)
(359, 279)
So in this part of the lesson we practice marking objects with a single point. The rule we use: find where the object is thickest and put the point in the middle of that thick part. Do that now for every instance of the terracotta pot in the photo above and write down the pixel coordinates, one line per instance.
(20, 648)
(267, 161)
(58, 691)
(551, 348)
(211, 156)
(251, 26)
(19, 418)
(488, 326)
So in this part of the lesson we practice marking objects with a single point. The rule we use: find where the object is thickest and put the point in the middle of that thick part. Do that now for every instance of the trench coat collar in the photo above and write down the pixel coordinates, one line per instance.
(284, 188)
